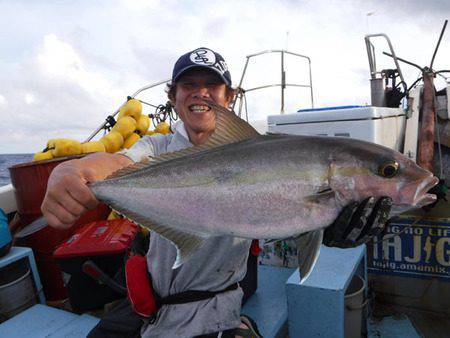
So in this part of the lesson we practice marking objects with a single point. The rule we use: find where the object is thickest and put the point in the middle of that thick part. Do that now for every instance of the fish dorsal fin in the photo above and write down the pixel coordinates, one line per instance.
(229, 129)
(130, 169)
(276, 134)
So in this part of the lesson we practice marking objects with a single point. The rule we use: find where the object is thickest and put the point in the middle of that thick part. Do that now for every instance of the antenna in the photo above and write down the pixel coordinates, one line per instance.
(287, 40)
(367, 20)
(439, 42)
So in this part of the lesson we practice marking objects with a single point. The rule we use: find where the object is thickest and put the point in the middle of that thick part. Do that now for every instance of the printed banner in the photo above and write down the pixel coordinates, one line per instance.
(421, 250)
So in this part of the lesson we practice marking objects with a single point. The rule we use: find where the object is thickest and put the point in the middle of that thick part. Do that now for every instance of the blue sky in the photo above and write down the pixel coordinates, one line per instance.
(66, 65)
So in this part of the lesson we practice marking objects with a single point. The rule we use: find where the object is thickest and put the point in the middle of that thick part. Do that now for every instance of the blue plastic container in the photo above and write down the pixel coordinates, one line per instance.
(5, 234)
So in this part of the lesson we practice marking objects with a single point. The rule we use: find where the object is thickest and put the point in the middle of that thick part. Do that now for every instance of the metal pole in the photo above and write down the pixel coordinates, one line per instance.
(240, 84)
(371, 57)
(95, 132)
(283, 82)
(390, 48)
(426, 133)
(310, 84)
(439, 42)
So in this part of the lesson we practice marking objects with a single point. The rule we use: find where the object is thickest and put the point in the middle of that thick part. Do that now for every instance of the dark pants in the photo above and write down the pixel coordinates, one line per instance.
(119, 323)
(123, 322)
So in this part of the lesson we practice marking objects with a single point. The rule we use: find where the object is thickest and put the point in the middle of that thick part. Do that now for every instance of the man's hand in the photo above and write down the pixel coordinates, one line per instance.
(68, 196)
(358, 223)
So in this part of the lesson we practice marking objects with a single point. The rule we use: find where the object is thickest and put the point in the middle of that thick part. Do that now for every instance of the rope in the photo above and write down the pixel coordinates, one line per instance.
(148, 104)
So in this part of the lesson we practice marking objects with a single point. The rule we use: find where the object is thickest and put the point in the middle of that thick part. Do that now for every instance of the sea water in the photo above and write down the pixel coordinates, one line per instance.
(8, 160)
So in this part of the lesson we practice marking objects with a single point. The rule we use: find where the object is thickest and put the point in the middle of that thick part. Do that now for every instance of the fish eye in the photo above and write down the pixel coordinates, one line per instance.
(388, 170)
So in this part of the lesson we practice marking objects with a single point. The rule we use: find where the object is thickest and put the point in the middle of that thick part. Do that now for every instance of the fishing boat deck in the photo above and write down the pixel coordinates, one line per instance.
(268, 306)
(397, 321)
(42, 321)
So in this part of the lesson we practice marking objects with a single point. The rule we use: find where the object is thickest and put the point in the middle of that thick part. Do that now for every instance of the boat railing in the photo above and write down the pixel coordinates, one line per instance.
(378, 78)
(283, 84)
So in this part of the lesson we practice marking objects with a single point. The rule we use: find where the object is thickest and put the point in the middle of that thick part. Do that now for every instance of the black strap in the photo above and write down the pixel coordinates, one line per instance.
(191, 296)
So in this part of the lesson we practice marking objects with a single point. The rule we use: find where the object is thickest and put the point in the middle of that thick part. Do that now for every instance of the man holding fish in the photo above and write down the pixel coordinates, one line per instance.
(186, 252)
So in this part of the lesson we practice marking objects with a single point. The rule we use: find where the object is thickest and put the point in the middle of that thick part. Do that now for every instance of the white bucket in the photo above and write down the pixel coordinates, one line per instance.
(16, 295)
(354, 305)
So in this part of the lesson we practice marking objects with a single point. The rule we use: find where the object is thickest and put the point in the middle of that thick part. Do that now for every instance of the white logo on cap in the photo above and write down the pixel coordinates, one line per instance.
(203, 56)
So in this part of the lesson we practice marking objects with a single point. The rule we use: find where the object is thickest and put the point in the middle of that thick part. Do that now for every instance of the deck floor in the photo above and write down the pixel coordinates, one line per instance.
(268, 307)
(427, 324)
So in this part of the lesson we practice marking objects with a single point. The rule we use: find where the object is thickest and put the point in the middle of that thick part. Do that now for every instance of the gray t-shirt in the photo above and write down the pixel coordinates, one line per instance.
(220, 262)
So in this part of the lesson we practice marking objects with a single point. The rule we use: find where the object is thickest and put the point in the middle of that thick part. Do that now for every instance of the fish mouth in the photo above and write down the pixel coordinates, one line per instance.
(422, 197)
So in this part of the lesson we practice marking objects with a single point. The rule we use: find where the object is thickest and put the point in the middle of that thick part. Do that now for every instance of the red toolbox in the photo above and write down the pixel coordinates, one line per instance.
(106, 244)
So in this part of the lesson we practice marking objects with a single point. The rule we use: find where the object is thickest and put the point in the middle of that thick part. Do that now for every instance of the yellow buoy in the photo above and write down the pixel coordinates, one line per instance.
(43, 155)
(162, 128)
(132, 139)
(142, 124)
(126, 125)
(92, 147)
(66, 147)
(113, 215)
(132, 108)
(113, 141)
(51, 144)
(152, 133)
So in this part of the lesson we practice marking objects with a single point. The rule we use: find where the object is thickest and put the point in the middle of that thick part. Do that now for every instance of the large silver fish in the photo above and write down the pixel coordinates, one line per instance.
(244, 184)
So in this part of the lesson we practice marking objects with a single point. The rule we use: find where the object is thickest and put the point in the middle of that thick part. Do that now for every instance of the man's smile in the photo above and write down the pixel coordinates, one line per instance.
(199, 108)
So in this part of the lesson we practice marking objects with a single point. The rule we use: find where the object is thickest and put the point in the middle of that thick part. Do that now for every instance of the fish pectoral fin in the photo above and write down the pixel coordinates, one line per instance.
(320, 196)
(324, 191)
(185, 243)
(308, 246)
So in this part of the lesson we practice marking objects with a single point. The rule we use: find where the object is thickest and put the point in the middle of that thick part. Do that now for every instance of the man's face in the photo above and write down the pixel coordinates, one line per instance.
(191, 88)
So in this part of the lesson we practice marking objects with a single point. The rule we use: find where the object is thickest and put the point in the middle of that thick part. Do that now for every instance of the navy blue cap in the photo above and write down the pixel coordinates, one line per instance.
(204, 58)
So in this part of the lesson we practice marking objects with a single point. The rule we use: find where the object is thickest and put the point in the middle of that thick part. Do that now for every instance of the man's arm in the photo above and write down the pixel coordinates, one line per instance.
(68, 196)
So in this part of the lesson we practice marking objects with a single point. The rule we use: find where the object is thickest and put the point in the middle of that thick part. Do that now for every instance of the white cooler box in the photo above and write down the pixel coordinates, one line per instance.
(380, 125)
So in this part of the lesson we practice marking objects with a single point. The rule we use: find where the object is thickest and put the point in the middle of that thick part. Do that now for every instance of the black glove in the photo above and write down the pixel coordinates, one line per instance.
(358, 223)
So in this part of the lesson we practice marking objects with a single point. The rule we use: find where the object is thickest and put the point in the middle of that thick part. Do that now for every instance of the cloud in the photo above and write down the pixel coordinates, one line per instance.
(69, 65)
(60, 62)
(29, 98)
